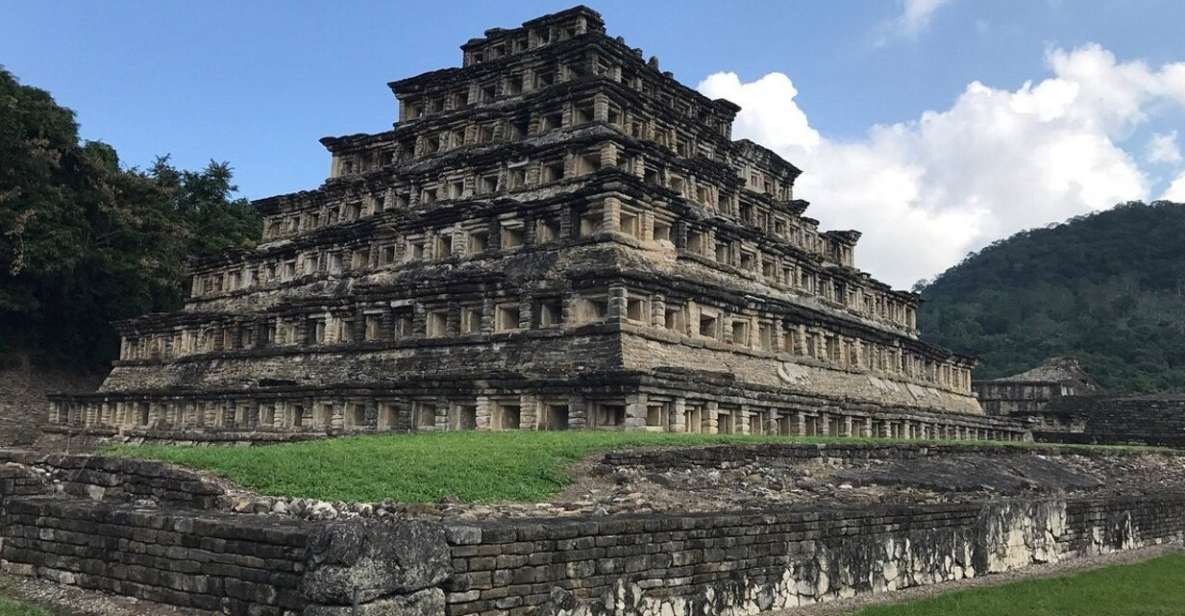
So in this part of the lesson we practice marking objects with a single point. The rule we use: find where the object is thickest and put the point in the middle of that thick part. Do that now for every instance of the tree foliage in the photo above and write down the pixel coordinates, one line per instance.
(84, 241)
(1107, 288)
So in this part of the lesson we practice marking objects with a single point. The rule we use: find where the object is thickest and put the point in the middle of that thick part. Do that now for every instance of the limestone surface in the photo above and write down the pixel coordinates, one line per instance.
(359, 561)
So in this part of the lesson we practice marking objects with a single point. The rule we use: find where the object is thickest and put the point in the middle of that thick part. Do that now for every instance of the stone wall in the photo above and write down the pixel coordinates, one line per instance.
(1146, 420)
(241, 565)
(672, 564)
(218, 562)
(23, 401)
(544, 353)
(1110, 438)
(657, 564)
(645, 350)
(714, 563)
(1012, 398)
(104, 478)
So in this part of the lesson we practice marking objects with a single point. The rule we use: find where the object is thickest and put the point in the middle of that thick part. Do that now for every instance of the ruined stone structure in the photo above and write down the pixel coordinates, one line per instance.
(1033, 390)
(1060, 402)
(79, 520)
(1149, 419)
(557, 234)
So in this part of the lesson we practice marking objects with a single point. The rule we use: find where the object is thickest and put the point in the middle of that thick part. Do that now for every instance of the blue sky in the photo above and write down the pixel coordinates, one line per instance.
(257, 83)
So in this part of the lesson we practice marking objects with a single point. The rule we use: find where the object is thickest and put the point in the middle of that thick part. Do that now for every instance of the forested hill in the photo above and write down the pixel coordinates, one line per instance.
(1108, 289)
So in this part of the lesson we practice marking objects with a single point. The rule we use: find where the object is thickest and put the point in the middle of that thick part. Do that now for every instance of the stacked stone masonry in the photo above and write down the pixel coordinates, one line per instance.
(1033, 390)
(1156, 419)
(750, 562)
(556, 234)
(216, 562)
(113, 479)
(645, 565)
(195, 554)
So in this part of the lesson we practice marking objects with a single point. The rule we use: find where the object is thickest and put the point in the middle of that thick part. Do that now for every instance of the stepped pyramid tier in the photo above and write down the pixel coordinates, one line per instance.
(556, 234)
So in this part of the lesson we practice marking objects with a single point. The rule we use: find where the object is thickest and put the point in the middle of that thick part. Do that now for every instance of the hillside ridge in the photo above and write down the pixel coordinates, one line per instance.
(1106, 288)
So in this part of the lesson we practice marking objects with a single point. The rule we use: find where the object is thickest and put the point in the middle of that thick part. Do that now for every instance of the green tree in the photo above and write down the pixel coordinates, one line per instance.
(214, 219)
(84, 242)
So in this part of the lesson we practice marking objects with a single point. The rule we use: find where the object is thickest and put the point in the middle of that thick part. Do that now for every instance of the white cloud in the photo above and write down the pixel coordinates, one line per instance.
(1173, 76)
(1162, 149)
(766, 112)
(914, 18)
(1176, 190)
(916, 14)
(927, 191)
(1112, 95)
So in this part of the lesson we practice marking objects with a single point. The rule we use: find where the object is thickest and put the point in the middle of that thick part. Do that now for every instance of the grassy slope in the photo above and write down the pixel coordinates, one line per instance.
(1152, 588)
(424, 467)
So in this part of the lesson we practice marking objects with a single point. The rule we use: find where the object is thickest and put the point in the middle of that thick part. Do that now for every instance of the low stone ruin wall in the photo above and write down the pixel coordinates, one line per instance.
(1147, 414)
(241, 565)
(218, 562)
(116, 479)
(709, 564)
(670, 564)
(1111, 438)
(1157, 420)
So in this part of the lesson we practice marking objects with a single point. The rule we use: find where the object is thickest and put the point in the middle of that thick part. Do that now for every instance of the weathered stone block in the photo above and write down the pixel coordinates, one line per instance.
(361, 561)
(463, 535)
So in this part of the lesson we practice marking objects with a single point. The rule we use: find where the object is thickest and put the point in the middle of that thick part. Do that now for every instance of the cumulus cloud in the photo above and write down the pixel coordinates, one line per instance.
(1176, 190)
(1162, 149)
(927, 191)
(766, 112)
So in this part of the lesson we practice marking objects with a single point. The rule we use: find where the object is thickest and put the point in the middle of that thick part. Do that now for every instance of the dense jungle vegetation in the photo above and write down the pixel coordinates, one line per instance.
(85, 241)
(1107, 288)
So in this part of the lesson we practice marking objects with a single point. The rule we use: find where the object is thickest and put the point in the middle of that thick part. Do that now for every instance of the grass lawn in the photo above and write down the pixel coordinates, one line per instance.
(424, 467)
(9, 607)
(421, 467)
(1152, 588)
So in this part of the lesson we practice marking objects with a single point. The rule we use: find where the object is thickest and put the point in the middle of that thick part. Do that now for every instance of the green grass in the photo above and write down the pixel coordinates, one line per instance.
(1152, 588)
(9, 607)
(424, 467)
